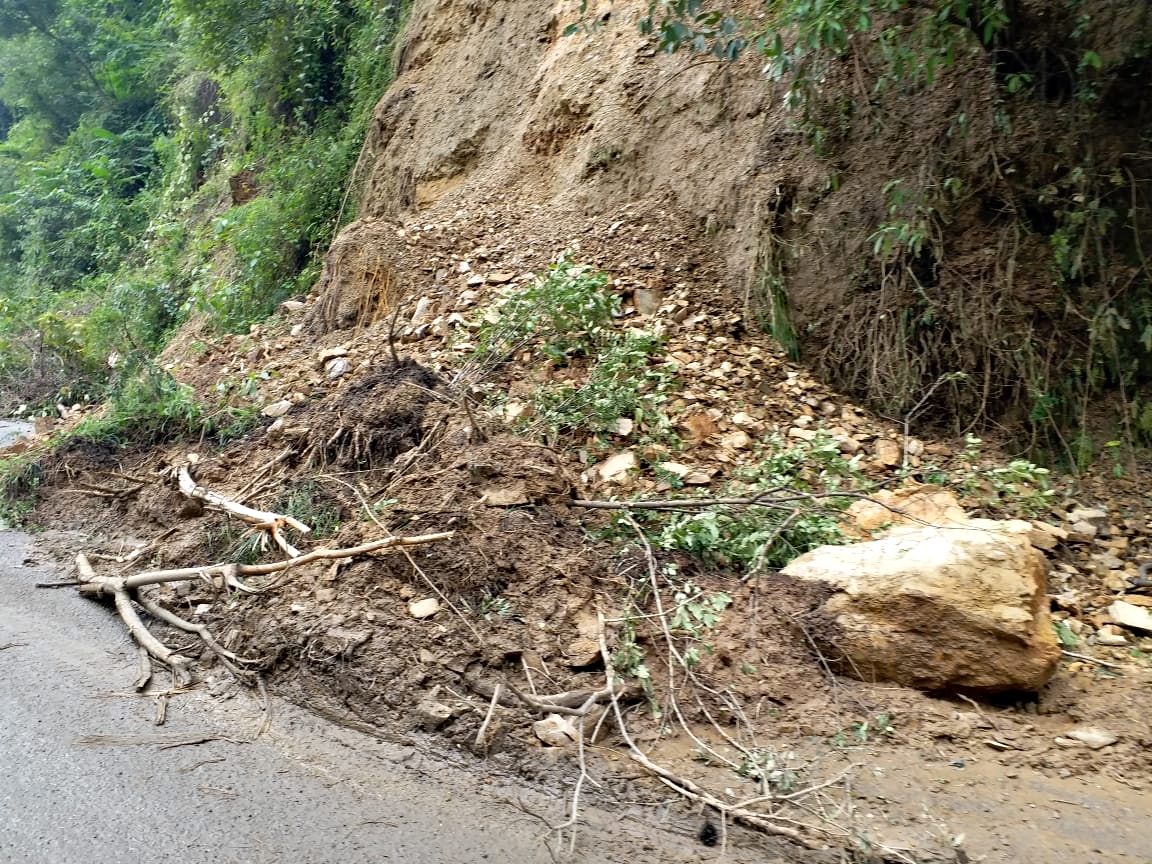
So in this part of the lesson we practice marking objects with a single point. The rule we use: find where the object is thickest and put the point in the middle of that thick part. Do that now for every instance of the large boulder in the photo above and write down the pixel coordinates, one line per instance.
(933, 607)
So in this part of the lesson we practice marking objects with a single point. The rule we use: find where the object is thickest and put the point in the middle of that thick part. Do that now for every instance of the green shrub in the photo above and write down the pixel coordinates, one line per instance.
(151, 407)
(19, 478)
(621, 383)
(564, 313)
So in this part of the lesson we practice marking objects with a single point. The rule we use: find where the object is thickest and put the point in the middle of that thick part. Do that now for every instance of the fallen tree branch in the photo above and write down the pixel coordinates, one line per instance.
(686, 787)
(229, 572)
(767, 498)
(226, 657)
(572, 703)
(259, 518)
(179, 664)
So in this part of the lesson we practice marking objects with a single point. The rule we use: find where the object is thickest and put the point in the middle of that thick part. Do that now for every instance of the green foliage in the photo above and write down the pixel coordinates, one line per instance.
(775, 773)
(1020, 487)
(308, 502)
(121, 125)
(19, 478)
(151, 407)
(566, 312)
(749, 538)
(621, 383)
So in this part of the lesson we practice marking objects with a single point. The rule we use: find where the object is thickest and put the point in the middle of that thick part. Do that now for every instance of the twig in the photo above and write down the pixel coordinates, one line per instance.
(1088, 659)
(145, 661)
(13, 645)
(496, 691)
(979, 710)
(64, 584)
(392, 333)
(674, 655)
(574, 814)
(687, 788)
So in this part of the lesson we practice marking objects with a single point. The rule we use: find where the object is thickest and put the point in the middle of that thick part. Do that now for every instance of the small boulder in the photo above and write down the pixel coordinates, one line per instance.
(934, 608)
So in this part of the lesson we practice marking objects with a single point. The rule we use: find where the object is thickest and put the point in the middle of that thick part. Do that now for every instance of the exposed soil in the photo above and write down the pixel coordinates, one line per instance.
(474, 180)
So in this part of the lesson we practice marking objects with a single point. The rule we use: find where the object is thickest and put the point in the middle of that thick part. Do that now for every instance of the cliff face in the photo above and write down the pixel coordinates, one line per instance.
(915, 241)
(656, 169)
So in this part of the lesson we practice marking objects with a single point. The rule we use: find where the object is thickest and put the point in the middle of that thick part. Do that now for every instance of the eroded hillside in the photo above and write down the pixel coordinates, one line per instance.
(660, 214)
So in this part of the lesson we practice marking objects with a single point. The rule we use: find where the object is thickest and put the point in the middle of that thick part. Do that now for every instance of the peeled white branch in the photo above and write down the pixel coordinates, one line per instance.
(231, 571)
(258, 518)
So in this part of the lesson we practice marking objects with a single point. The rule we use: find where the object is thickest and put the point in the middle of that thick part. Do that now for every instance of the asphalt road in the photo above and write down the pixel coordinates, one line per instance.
(305, 792)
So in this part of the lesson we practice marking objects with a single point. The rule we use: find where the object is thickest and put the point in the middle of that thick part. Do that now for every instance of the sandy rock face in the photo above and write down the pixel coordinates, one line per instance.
(936, 608)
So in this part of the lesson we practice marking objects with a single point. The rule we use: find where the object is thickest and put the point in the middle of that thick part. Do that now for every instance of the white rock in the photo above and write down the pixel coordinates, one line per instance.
(1131, 616)
(936, 608)
(556, 730)
(277, 409)
(744, 420)
(1093, 736)
(617, 466)
(737, 439)
(425, 608)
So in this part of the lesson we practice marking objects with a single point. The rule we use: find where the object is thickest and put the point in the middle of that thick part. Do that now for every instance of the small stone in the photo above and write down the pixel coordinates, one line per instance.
(737, 439)
(582, 652)
(504, 497)
(1098, 519)
(623, 426)
(700, 427)
(697, 478)
(330, 353)
(617, 466)
(802, 434)
(425, 608)
(847, 444)
(648, 300)
(514, 411)
(290, 306)
(337, 367)
(1109, 636)
(1093, 737)
(675, 468)
(1107, 561)
(1081, 532)
(277, 409)
(555, 730)
(500, 277)
(887, 452)
(1132, 617)
(745, 420)
(429, 715)
(325, 595)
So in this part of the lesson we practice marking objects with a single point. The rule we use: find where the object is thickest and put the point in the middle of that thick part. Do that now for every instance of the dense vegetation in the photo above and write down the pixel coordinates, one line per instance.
(995, 264)
(164, 157)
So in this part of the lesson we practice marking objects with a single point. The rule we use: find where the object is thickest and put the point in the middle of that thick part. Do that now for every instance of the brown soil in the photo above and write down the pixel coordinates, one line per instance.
(478, 171)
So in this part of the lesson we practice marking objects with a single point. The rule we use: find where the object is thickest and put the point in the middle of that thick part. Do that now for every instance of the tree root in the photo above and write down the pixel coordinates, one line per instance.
(124, 591)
